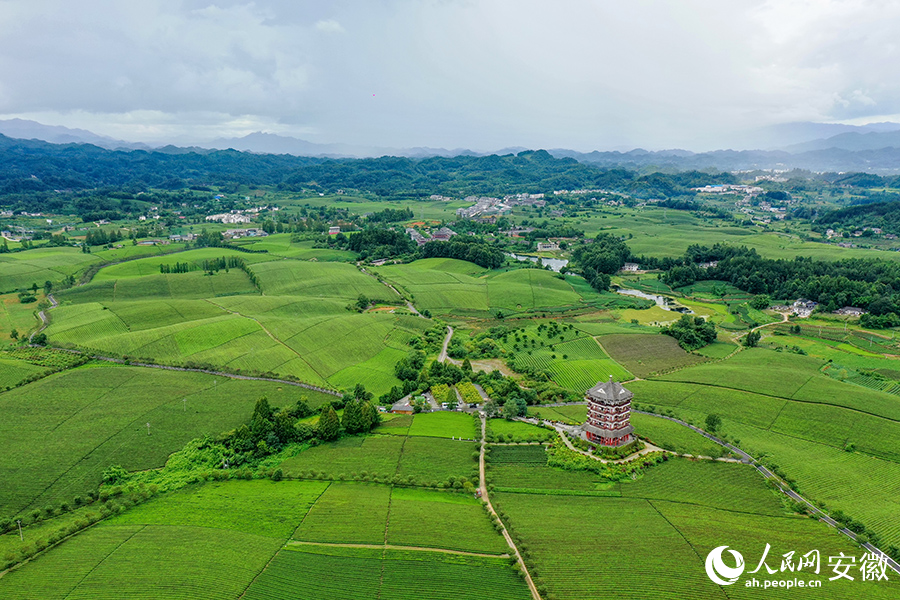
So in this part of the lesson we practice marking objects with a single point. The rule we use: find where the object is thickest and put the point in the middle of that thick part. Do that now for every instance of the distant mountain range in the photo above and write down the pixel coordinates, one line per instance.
(815, 146)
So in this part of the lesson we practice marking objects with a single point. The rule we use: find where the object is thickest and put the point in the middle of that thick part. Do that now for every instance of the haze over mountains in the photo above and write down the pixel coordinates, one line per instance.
(872, 147)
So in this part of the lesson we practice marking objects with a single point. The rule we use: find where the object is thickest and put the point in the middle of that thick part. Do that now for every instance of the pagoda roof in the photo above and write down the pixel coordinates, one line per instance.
(609, 390)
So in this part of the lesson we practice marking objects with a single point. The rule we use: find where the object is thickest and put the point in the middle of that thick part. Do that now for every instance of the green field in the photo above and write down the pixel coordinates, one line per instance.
(64, 430)
(446, 286)
(682, 510)
(300, 326)
(801, 421)
(647, 354)
(19, 270)
(572, 359)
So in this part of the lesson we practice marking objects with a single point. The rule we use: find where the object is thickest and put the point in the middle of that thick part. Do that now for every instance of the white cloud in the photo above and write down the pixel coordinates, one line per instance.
(581, 74)
(329, 26)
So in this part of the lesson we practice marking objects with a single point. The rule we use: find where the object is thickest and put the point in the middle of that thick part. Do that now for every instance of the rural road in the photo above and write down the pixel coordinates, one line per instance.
(45, 321)
(409, 304)
(482, 487)
(442, 357)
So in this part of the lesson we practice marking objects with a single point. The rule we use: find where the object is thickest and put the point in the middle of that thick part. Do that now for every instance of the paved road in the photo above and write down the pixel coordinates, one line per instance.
(45, 321)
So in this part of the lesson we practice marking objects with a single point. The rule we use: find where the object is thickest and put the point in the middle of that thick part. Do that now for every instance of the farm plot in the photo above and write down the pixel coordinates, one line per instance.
(233, 505)
(860, 485)
(784, 373)
(503, 430)
(111, 562)
(319, 573)
(433, 461)
(14, 371)
(64, 430)
(673, 436)
(22, 269)
(657, 562)
(573, 414)
(348, 513)
(318, 280)
(450, 520)
(714, 484)
(329, 573)
(646, 354)
(446, 424)
(374, 454)
(15, 316)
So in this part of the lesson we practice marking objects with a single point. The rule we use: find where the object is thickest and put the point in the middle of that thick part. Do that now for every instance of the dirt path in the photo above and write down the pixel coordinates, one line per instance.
(409, 304)
(442, 357)
(482, 487)
(394, 547)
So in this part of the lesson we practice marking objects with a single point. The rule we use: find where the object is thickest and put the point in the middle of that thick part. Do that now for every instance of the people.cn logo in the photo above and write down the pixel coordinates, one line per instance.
(718, 571)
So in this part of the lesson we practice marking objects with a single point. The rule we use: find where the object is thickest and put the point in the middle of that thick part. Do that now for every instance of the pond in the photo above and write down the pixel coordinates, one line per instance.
(555, 264)
(664, 302)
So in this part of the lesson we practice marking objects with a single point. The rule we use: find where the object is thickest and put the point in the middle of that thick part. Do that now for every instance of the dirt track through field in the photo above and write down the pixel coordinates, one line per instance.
(393, 547)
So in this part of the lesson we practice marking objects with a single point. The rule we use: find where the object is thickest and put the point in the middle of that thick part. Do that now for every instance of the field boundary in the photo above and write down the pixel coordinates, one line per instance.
(395, 547)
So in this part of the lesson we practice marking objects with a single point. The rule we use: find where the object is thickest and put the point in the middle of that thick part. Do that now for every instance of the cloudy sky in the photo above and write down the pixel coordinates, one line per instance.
(477, 74)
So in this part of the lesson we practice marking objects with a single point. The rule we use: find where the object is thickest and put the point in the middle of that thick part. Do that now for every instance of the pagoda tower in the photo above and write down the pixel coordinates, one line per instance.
(609, 409)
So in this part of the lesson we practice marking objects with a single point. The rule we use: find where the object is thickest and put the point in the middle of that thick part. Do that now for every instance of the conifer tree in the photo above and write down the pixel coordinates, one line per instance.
(329, 427)
(353, 418)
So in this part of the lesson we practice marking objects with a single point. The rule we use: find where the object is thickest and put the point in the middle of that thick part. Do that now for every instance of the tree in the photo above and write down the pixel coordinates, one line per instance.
(353, 420)
(752, 338)
(329, 427)
(761, 302)
(713, 422)
(467, 366)
(451, 399)
(370, 415)
(40, 339)
(14, 334)
(510, 410)
(362, 302)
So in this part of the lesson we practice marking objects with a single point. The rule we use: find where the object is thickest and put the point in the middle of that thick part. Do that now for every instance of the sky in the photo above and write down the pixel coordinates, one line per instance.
(484, 75)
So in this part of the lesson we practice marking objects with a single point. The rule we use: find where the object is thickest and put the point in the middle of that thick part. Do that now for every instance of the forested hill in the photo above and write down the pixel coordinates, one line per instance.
(883, 215)
(29, 167)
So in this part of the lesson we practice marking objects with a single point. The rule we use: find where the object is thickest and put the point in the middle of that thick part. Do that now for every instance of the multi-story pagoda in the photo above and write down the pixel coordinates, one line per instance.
(609, 409)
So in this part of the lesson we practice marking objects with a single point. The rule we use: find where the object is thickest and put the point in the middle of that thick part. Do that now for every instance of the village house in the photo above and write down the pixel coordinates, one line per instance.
(804, 308)
(850, 311)
(334, 230)
(235, 234)
(631, 267)
(443, 235)
(547, 246)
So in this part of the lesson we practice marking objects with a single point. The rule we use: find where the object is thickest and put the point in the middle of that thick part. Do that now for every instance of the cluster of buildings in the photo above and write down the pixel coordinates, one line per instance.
(229, 218)
(17, 234)
(441, 235)
(730, 188)
(187, 237)
(486, 207)
(234, 234)
(482, 207)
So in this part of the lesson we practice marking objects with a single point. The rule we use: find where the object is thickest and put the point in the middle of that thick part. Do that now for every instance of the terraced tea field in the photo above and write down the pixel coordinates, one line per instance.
(647, 354)
(299, 327)
(451, 286)
(66, 429)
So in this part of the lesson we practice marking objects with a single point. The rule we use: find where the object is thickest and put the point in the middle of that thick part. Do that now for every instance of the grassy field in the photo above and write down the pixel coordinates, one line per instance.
(444, 424)
(683, 509)
(672, 436)
(300, 327)
(19, 270)
(802, 421)
(572, 359)
(358, 573)
(347, 513)
(446, 286)
(64, 430)
(647, 354)
(15, 316)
